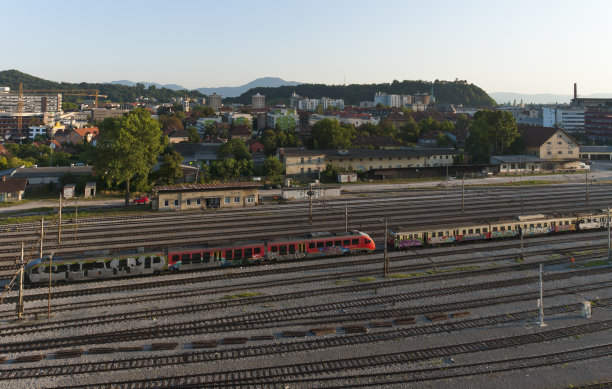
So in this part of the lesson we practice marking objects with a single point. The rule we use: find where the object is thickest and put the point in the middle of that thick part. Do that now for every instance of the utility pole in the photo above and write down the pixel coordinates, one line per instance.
(76, 219)
(586, 185)
(346, 217)
(310, 193)
(20, 303)
(463, 193)
(59, 225)
(608, 219)
(42, 235)
(522, 246)
(541, 301)
(50, 272)
(386, 267)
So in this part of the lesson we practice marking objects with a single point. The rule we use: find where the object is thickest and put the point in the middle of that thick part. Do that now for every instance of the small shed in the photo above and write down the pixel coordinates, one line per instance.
(318, 192)
(12, 189)
(347, 177)
(90, 190)
(69, 191)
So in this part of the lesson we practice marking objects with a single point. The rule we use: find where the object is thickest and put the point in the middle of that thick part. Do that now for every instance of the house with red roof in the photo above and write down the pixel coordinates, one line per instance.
(81, 135)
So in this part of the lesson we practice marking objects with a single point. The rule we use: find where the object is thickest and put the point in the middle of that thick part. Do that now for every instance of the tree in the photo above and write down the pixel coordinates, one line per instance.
(230, 168)
(410, 131)
(272, 167)
(170, 169)
(128, 148)
(234, 148)
(492, 133)
(170, 123)
(329, 134)
(193, 135)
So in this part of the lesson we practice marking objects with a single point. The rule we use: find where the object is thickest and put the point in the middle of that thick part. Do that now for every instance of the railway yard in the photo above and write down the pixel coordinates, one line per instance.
(447, 316)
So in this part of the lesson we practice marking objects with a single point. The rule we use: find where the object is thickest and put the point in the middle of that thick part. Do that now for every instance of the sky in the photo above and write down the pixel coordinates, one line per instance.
(517, 46)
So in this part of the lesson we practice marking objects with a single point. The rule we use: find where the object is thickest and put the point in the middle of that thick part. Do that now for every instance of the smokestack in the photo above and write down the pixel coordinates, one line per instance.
(575, 91)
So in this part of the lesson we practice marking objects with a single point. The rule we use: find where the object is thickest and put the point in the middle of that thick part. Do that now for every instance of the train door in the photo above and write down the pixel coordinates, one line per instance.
(302, 248)
(425, 238)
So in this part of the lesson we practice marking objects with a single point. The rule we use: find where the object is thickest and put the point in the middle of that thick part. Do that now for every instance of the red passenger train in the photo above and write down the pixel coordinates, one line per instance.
(315, 244)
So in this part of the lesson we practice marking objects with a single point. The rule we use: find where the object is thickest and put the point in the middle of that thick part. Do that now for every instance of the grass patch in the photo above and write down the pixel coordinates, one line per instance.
(586, 252)
(400, 275)
(241, 295)
(599, 262)
(366, 279)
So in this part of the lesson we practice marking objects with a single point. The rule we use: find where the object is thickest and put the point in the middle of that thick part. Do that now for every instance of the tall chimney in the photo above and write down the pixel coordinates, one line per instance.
(575, 91)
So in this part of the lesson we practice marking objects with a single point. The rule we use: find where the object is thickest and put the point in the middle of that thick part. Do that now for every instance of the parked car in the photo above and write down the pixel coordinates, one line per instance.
(141, 200)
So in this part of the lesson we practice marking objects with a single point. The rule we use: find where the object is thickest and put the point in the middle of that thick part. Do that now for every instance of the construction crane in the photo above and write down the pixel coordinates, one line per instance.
(68, 92)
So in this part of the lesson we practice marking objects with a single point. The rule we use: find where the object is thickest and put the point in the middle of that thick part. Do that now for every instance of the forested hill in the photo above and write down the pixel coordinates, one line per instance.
(115, 92)
(445, 92)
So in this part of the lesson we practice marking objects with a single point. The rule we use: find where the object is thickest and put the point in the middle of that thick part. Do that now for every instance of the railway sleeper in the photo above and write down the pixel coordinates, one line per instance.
(405, 320)
(381, 324)
(235, 340)
(294, 334)
(30, 358)
(323, 330)
(263, 337)
(164, 346)
(355, 329)
(101, 350)
(204, 344)
(74, 353)
(437, 316)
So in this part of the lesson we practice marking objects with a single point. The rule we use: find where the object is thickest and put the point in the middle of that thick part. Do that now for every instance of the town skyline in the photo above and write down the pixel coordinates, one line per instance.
(527, 48)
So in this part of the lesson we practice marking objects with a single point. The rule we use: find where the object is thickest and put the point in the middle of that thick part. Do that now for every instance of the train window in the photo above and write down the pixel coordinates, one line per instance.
(45, 269)
(485, 230)
(60, 269)
(185, 257)
(320, 244)
(502, 228)
(410, 236)
(494, 228)
(158, 259)
(346, 242)
(257, 250)
(478, 230)
(471, 231)
(238, 253)
(566, 223)
(311, 245)
(248, 253)
(338, 243)
(274, 249)
(175, 258)
(355, 241)
(539, 224)
(88, 266)
(531, 225)
(206, 257)
(463, 232)
(291, 249)
(545, 224)
(282, 250)
(228, 254)
(100, 265)
(440, 233)
(75, 267)
(329, 243)
(195, 257)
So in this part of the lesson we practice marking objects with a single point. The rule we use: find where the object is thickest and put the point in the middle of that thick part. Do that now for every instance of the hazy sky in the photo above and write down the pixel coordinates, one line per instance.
(531, 46)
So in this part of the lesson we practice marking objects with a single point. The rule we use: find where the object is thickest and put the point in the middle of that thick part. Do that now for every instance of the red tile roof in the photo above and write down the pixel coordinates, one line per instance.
(87, 130)
(3, 150)
(10, 185)
(202, 187)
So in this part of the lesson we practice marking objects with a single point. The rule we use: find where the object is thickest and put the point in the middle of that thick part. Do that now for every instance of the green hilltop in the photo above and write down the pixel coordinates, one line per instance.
(445, 92)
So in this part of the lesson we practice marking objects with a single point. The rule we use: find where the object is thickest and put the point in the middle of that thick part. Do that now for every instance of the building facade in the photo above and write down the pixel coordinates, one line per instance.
(183, 197)
(394, 101)
(32, 103)
(258, 101)
(214, 101)
(285, 118)
(570, 119)
(549, 143)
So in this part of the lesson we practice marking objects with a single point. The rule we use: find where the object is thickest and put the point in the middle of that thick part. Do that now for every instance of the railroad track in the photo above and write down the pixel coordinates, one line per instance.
(400, 211)
(264, 284)
(237, 323)
(279, 373)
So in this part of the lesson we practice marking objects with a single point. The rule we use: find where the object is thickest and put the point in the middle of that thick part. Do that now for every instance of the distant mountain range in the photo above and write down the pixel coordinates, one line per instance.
(225, 91)
(543, 98)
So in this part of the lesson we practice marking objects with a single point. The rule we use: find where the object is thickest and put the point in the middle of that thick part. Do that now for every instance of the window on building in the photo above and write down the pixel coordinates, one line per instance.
(309, 170)
(250, 199)
(227, 200)
(165, 203)
(176, 203)
(198, 201)
(559, 143)
(549, 153)
(237, 199)
(188, 201)
(309, 160)
(560, 152)
(302, 160)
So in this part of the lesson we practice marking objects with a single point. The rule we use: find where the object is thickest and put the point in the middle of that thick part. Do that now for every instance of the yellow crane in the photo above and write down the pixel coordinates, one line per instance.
(68, 92)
